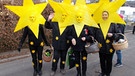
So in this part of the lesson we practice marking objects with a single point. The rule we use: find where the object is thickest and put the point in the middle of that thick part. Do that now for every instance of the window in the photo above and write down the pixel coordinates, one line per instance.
(122, 12)
(42, 0)
(134, 13)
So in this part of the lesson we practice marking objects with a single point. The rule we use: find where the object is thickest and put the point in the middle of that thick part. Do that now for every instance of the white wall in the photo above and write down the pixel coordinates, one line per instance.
(130, 0)
(128, 15)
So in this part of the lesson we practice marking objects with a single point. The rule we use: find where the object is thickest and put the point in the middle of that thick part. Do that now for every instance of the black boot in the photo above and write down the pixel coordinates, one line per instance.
(78, 71)
(107, 74)
(101, 74)
(35, 73)
(84, 74)
(40, 73)
(78, 74)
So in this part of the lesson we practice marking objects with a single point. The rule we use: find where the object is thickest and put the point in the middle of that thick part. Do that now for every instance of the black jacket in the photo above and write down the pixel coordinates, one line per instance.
(86, 32)
(121, 27)
(106, 43)
(59, 42)
(32, 37)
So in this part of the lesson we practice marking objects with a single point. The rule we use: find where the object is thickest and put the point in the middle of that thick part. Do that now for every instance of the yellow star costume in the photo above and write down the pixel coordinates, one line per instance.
(81, 10)
(30, 15)
(66, 4)
(111, 8)
(61, 14)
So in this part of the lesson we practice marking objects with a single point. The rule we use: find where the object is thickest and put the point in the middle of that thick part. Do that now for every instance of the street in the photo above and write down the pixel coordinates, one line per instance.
(23, 67)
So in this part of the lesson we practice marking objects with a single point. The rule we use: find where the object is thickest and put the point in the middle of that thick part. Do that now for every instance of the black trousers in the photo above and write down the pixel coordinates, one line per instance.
(59, 54)
(133, 29)
(81, 61)
(106, 63)
(36, 53)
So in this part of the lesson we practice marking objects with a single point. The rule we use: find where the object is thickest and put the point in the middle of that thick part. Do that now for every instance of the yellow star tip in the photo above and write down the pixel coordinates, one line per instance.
(67, 1)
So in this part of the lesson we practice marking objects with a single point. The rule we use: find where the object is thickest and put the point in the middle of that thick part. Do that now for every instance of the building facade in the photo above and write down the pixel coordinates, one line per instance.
(128, 13)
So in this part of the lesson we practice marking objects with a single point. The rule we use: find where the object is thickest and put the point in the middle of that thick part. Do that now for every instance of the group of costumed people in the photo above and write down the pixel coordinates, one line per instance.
(72, 26)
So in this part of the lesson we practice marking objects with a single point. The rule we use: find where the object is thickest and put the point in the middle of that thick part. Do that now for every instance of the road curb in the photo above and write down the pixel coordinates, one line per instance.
(14, 58)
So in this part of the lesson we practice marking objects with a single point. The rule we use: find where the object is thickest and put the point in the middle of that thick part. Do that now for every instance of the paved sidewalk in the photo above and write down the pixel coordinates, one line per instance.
(13, 55)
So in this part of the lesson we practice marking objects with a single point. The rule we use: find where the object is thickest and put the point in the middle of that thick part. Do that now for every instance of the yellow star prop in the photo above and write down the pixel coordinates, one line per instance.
(112, 8)
(71, 12)
(66, 4)
(30, 15)
(61, 15)
(81, 9)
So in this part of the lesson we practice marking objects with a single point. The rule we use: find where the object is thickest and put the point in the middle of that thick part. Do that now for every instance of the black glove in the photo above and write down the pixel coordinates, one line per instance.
(19, 49)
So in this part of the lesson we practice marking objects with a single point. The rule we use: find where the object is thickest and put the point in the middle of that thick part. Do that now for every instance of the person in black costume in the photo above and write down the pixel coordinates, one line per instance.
(133, 28)
(106, 49)
(60, 44)
(36, 47)
(78, 45)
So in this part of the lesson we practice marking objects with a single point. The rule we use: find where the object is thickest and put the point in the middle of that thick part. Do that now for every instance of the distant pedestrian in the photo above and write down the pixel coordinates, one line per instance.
(121, 27)
(119, 52)
(133, 28)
